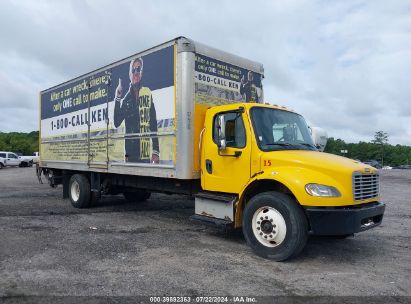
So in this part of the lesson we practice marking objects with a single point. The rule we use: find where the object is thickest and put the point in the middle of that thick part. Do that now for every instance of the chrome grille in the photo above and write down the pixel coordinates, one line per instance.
(365, 186)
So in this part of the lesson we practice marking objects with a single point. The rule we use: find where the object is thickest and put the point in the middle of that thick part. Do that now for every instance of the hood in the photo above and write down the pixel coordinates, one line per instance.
(318, 161)
(297, 168)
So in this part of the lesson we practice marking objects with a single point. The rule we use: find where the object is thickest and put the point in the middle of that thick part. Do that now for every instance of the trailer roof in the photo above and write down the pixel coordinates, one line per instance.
(184, 44)
(248, 64)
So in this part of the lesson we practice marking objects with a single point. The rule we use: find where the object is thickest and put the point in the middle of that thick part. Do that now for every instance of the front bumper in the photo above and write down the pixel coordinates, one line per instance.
(344, 220)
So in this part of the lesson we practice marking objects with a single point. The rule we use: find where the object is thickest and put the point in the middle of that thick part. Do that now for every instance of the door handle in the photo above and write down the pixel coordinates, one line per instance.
(236, 154)
(209, 166)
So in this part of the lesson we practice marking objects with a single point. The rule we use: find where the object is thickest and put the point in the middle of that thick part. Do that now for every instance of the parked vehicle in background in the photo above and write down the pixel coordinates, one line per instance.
(2, 162)
(12, 159)
(373, 163)
(34, 158)
(403, 167)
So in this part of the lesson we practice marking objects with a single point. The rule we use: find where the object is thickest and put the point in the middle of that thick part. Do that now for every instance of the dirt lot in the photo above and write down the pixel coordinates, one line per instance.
(49, 248)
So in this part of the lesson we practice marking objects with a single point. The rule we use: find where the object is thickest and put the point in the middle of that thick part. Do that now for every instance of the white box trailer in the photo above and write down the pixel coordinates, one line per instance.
(86, 126)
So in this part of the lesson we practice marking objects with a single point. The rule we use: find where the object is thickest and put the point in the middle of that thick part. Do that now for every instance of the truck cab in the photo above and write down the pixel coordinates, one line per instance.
(278, 186)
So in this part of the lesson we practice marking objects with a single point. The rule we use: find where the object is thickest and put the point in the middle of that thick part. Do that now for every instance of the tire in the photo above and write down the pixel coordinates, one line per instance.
(1, 166)
(31, 163)
(137, 196)
(275, 226)
(79, 191)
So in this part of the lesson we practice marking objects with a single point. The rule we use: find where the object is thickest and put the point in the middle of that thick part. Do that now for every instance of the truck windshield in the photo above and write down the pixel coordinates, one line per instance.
(280, 130)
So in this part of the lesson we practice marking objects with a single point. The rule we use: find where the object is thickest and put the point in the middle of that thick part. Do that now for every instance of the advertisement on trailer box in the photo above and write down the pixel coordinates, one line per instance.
(218, 82)
(126, 111)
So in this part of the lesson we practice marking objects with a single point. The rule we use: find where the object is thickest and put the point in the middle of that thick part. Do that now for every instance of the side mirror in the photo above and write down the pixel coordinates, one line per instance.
(222, 145)
(320, 138)
(221, 132)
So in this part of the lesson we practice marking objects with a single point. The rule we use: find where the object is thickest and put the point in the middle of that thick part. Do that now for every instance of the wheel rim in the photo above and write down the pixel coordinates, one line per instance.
(269, 226)
(75, 191)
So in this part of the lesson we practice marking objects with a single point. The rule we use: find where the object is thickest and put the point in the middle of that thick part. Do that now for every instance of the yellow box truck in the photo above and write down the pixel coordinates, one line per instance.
(189, 119)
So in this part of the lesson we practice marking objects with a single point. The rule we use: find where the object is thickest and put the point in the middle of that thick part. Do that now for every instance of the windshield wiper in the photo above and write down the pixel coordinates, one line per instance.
(283, 144)
(286, 144)
(308, 145)
(278, 144)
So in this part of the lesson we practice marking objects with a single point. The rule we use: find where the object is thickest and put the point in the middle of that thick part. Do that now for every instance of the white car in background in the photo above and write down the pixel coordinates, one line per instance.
(35, 157)
(8, 159)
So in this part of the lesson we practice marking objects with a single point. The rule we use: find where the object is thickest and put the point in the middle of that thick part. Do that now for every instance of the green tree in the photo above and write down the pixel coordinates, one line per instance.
(381, 139)
(25, 143)
(378, 148)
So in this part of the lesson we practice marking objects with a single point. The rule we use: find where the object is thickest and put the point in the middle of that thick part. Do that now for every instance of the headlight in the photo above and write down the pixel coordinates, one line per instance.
(322, 190)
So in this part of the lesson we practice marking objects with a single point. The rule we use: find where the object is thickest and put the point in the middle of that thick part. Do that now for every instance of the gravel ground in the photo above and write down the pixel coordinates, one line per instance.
(121, 249)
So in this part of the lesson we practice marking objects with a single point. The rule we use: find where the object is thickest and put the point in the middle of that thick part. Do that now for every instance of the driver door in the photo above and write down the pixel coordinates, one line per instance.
(13, 159)
(226, 170)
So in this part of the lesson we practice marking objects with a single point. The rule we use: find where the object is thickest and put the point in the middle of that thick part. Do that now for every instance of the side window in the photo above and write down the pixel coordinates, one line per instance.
(11, 155)
(234, 130)
(3, 155)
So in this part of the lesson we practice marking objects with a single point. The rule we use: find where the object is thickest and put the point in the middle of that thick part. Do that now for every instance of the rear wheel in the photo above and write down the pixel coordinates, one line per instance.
(275, 226)
(137, 196)
(79, 191)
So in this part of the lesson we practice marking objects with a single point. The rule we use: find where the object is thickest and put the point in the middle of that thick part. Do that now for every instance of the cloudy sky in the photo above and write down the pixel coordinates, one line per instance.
(344, 65)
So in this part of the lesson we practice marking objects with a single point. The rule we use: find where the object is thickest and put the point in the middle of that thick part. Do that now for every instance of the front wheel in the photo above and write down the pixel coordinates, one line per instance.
(275, 226)
(79, 191)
